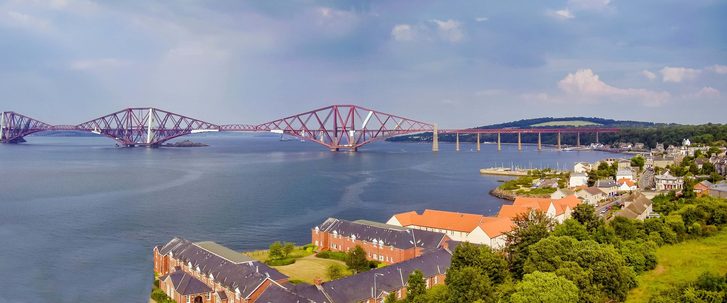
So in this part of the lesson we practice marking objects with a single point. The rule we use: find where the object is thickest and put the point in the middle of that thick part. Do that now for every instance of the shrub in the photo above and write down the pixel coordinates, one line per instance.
(280, 262)
(335, 271)
(335, 255)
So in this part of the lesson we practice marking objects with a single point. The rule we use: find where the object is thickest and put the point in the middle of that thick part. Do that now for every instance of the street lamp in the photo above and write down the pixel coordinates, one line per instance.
(375, 293)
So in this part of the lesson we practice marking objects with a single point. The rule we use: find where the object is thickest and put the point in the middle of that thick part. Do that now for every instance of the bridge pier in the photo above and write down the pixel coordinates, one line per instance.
(578, 139)
(435, 139)
(559, 141)
(597, 138)
(2, 127)
(499, 144)
(457, 144)
(519, 141)
(540, 145)
(478, 141)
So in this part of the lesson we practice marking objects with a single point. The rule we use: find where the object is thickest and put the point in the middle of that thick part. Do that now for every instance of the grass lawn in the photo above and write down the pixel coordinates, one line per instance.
(566, 123)
(262, 255)
(682, 263)
(308, 268)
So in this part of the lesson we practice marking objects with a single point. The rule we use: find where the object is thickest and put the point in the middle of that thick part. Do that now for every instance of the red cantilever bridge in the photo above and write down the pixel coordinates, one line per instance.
(337, 127)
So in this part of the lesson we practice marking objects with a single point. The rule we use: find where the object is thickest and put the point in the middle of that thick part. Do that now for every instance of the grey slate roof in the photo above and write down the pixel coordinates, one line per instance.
(359, 287)
(243, 276)
(186, 284)
(604, 183)
(391, 235)
(277, 294)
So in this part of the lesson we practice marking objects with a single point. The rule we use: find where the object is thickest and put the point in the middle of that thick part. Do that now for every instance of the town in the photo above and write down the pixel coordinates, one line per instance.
(411, 251)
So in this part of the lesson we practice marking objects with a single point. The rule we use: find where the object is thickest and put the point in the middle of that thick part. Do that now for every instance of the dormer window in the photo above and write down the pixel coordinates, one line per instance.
(198, 271)
(237, 293)
(189, 265)
(212, 277)
(317, 229)
(353, 238)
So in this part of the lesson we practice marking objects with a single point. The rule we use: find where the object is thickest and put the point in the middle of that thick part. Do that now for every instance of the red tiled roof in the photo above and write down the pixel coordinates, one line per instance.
(494, 227)
(440, 220)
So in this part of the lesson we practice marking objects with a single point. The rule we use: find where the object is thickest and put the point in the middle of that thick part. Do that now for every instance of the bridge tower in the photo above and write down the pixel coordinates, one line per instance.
(435, 139)
(150, 127)
(2, 127)
(478, 141)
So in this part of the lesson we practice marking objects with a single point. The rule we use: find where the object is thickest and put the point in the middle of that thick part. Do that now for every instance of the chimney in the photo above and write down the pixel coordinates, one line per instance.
(317, 281)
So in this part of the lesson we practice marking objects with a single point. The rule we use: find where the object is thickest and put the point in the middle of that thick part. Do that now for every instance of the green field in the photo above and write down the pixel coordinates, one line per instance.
(682, 263)
(566, 123)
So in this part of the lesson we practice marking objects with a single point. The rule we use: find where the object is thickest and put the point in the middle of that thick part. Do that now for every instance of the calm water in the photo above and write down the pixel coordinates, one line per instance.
(79, 217)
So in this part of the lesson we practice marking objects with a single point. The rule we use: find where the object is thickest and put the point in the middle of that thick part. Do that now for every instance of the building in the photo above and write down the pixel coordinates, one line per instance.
(460, 227)
(206, 272)
(624, 164)
(547, 183)
(667, 182)
(591, 195)
(582, 167)
(608, 186)
(635, 206)
(375, 285)
(718, 191)
(559, 210)
(646, 179)
(577, 179)
(626, 185)
(702, 188)
(562, 193)
(625, 173)
(382, 242)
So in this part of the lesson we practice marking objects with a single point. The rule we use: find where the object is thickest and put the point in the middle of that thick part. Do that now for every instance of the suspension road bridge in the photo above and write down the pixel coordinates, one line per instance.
(337, 127)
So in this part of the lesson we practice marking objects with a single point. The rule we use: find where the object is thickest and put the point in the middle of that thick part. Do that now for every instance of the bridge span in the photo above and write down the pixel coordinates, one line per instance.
(337, 127)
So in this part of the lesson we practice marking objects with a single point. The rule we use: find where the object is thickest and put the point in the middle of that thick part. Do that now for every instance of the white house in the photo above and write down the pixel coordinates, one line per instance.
(666, 181)
(591, 195)
(577, 179)
(624, 173)
(582, 167)
(626, 185)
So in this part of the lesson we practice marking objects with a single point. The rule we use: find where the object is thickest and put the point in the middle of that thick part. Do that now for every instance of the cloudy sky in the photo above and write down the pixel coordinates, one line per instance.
(456, 63)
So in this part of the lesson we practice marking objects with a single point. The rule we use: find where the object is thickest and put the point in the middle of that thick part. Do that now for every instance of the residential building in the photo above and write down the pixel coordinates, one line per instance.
(548, 183)
(206, 272)
(625, 173)
(577, 179)
(608, 186)
(635, 206)
(718, 191)
(591, 195)
(625, 184)
(666, 182)
(559, 210)
(375, 285)
(702, 188)
(562, 193)
(582, 167)
(646, 179)
(624, 164)
(460, 227)
(382, 242)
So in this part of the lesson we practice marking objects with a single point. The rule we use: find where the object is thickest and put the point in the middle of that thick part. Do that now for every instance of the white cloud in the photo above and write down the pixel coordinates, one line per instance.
(588, 4)
(648, 75)
(588, 87)
(678, 74)
(481, 19)
(562, 14)
(720, 69)
(21, 20)
(490, 92)
(402, 32)
(449, 30)
(336, 22)
(434, 30)
(97, 64)
(707, 92)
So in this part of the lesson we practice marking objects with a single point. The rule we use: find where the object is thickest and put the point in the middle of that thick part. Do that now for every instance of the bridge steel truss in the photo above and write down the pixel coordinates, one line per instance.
(337, 127)
(345, 126)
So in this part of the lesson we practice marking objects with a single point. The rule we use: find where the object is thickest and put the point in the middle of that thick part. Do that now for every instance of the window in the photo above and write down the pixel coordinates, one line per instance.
(375, 257)
(188, 299)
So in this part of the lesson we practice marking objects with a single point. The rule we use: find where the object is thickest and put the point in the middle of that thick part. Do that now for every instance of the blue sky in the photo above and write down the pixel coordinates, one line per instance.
(455, 63)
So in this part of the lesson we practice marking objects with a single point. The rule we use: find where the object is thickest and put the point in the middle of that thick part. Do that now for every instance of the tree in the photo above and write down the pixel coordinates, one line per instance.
(288, 248)
(638, 161)
(628, 229)
(585, 214)
(529, 229)
(276, 250)
(492, 264)
(544, 288)
(416, 287)
(571, 227)
(335, 271)
(467, 284)
(356, 259)
(391, 298)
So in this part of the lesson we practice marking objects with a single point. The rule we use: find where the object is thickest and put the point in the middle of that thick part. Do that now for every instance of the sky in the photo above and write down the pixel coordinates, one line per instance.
(454, 63)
